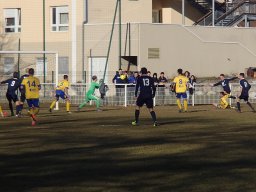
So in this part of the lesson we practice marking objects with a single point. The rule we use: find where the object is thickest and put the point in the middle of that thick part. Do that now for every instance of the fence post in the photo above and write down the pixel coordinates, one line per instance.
(193, 99)
(230, 100)
(125, 95)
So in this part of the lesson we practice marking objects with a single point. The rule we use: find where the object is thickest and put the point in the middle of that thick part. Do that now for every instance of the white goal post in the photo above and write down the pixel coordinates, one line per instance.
(47, 69)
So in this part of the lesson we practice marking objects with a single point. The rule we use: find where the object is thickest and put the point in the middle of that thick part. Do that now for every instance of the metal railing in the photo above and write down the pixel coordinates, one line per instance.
(123, 94)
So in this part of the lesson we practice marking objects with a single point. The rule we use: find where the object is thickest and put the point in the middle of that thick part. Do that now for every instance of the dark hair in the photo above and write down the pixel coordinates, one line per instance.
(149, 72)
(179, 71)
(162, 73)
(154, 75)
(241, 74)
(16, 75)
(120, 69)
(144, 70)
(222, 75)
(187, 73)
(31, 71)
(65, 76)
(94, 77)
(193, 76)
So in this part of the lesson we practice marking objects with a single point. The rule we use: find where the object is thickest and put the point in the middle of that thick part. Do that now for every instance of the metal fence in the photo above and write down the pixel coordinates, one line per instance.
(123, 94)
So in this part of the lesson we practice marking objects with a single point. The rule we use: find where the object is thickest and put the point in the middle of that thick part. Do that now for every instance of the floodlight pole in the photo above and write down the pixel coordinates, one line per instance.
(44, 42)
(183, 12)
(213, 13)
(120, 34)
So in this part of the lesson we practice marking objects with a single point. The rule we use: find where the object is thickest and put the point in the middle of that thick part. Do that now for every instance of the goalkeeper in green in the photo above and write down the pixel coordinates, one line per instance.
(90, 94)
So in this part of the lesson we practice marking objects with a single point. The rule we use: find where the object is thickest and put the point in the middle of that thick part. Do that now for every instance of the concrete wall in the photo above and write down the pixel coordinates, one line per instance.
(102, 11)
(204, 51)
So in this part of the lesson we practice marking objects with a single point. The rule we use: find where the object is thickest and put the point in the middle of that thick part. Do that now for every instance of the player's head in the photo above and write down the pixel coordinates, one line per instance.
(155, 75)
(65, 77)
(136, 74)
(187, 73)
(241, 75)
(222, 76)
(31, 71)
(120, 71)
(16, 75)
(222, 93)
(94, 78)
(162, 74)
(144, 71)
(149, 73)
(179, 71)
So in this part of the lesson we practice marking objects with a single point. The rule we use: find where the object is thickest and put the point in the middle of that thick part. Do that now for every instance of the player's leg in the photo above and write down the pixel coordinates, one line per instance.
(17, 105)
(67, 105)
(97, 101)
(34, 110)
(139, 103)
(84, 103)
(224, 102)
(246, 99)
(149, 104)
(9, 98)
(178, 95)
(57, 96)
(22, 100)
(1, 111)
(185, 101)
(238, 105)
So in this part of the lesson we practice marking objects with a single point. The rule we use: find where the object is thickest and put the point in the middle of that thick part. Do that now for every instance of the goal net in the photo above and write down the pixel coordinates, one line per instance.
(45, 64)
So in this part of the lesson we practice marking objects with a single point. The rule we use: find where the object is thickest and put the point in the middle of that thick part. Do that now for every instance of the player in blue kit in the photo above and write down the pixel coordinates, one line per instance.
(22, 91)
(244, 94)
(11, 94)
(147, 92)
(224, 82)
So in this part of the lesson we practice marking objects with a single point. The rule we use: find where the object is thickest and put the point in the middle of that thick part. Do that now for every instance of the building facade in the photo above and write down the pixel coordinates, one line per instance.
(153, 34)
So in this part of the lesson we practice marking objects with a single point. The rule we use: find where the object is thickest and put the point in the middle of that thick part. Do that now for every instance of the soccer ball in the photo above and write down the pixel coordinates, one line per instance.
(122, 77)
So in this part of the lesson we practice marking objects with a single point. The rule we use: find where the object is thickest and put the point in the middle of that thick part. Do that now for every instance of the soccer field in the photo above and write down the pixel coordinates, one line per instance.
(200, 151)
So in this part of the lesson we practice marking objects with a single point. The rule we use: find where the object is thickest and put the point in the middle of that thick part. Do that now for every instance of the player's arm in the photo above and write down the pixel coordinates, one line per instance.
(5, 82)
(137, 87)
(216, 84)
(153, 88)
(97, 85)
(231, 79)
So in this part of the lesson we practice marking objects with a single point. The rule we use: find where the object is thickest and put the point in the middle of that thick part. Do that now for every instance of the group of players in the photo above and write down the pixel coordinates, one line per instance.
(29, 87)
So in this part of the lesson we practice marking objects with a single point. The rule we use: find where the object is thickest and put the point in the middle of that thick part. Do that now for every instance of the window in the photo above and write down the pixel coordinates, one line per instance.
(153, 53)
(60, 18)
(40, 66)
(157, 16)
(8, 65)
(12, 20)
(63, 65)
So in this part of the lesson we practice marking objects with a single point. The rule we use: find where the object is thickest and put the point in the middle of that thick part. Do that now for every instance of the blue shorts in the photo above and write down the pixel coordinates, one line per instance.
(33, 103)
(60, 94)
(181, 95)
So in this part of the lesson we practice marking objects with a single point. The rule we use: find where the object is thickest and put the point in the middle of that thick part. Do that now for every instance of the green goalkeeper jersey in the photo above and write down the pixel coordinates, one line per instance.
(94, 85)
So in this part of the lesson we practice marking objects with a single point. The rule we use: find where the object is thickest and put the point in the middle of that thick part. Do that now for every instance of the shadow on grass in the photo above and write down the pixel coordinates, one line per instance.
(125, 159)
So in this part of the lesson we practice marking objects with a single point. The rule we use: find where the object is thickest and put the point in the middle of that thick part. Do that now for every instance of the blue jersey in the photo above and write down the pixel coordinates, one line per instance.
(225, 84)
(146, 85)
(245, 87)
(13, 85)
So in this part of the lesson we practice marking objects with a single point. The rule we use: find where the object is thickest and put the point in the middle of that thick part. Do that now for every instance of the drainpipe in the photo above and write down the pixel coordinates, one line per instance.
(83, 47)
(74, 41)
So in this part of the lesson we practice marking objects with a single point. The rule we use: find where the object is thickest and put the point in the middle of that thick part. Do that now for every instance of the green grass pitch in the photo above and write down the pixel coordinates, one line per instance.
(200, 151)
